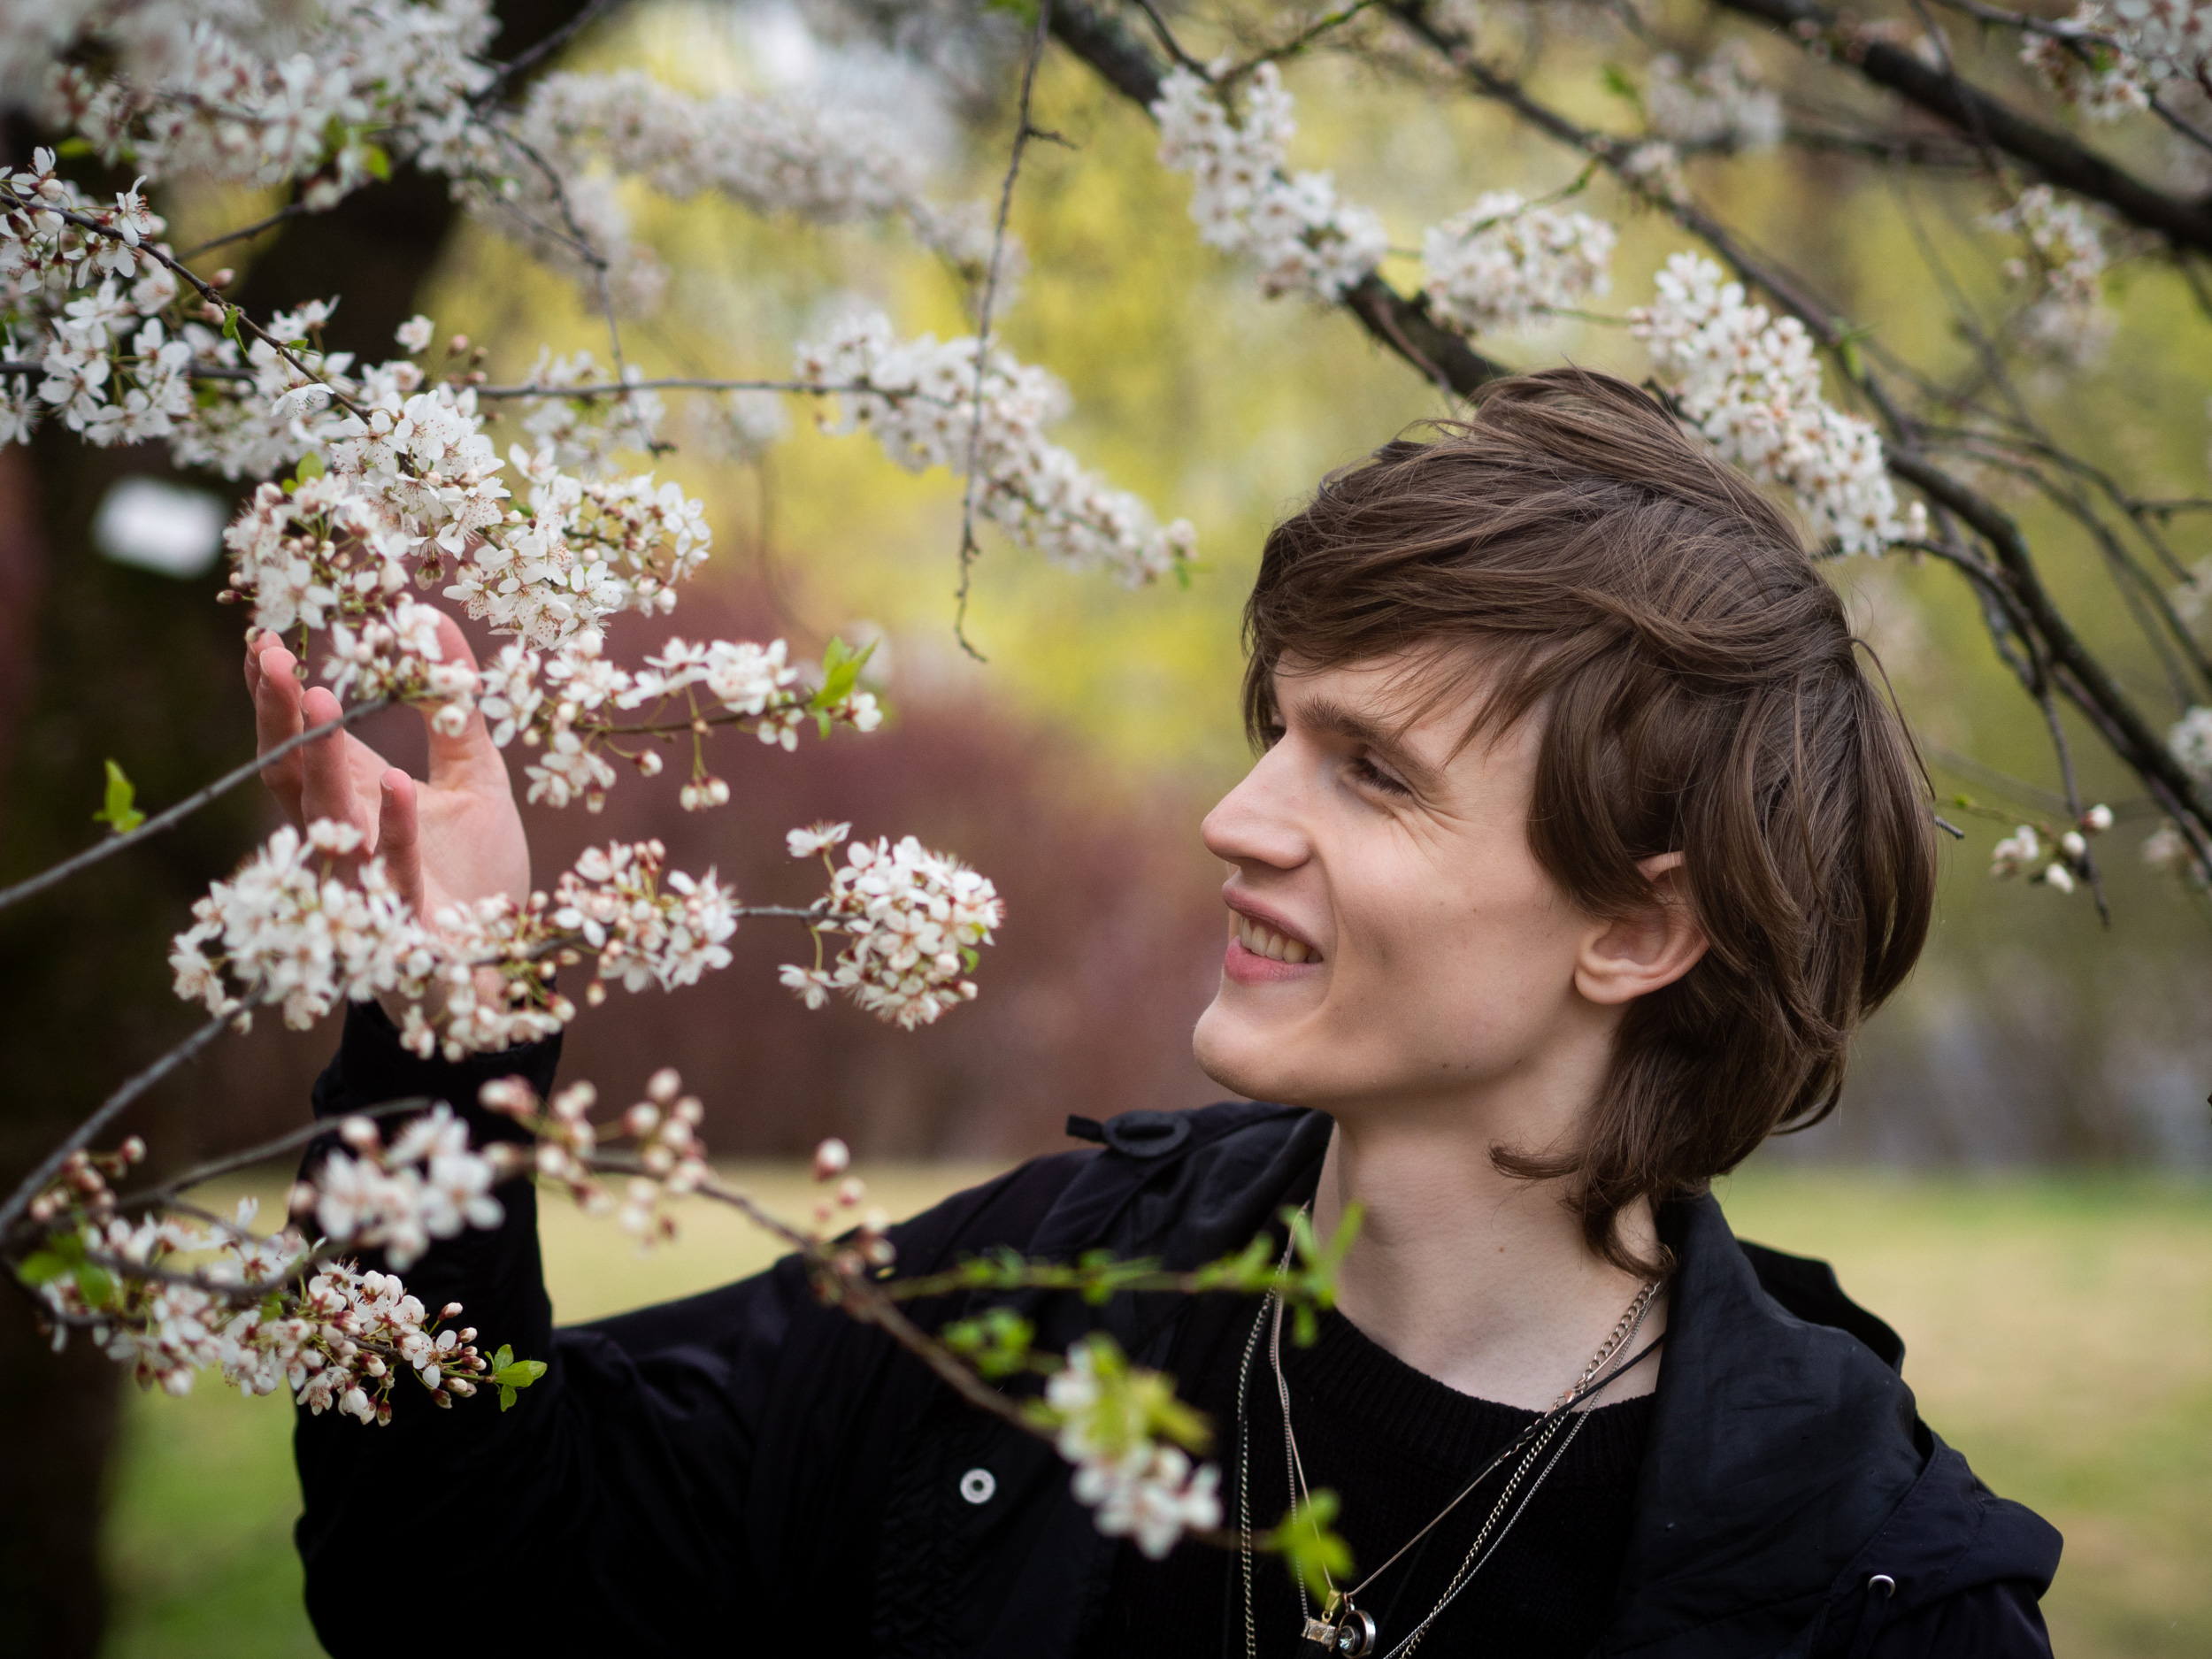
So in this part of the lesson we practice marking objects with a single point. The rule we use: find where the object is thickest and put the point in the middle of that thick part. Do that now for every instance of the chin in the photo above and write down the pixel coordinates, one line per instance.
(1241, 1058)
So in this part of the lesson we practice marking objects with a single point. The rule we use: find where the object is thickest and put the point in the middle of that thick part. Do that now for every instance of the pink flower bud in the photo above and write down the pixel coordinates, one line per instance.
(451, 1311)
(831, 1159)
(663, 1085)
(360, 1133)
(851, 1190)
(641, 1119)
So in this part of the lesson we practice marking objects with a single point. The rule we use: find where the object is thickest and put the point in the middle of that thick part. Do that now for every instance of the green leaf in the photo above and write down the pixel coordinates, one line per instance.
(841, 673)
(70, 147)
(973, 957)
(376, 161)
(506, 1397)
(520, 1374)
(1619, 85)
(503, 1358)
(119, 811)
(1311, 1548)
(96, 1285)
(230, 323)
(311, 466)
(43, 1267)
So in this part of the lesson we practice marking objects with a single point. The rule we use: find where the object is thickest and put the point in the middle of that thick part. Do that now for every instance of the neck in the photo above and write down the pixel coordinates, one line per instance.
(1481, 1282)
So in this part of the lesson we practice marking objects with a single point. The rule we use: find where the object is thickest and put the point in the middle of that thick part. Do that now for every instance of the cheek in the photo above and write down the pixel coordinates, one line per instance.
(1487, 950)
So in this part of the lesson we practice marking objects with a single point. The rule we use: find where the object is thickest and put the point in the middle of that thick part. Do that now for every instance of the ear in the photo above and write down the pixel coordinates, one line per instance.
(1637, 954)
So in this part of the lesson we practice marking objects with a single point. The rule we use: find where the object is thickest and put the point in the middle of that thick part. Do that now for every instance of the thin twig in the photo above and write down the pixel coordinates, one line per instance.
(292, 210)
(1023, 131)
(183, 809)
(522, 62)
(109, 1110)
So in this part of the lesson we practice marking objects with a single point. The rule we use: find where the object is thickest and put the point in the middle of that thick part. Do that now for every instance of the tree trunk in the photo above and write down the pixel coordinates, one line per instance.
(99, 661)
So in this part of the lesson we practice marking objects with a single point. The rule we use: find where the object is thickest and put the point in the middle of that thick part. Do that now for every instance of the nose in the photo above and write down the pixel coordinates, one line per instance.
(1258, 823)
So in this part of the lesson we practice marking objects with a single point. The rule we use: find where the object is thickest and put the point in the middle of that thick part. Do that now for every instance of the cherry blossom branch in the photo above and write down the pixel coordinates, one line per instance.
(173, 816)
(232, 314)
(2051, 155)
(1405, 326)
(1025, 129)
(106, 1113)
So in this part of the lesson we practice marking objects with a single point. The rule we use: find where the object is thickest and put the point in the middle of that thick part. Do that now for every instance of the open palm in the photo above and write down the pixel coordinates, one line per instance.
(454, 838)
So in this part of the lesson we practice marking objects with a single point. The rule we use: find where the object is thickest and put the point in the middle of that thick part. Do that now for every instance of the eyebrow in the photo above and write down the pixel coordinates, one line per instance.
(1325, 714)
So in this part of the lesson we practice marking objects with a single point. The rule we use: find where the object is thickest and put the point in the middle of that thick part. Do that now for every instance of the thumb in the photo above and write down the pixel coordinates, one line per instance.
(458, 751)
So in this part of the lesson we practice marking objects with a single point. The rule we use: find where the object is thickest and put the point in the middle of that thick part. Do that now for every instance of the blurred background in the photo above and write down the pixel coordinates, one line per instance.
(2020, 1176)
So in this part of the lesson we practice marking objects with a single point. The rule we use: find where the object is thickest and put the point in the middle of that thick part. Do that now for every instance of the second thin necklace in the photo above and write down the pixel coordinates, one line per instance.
(1346, 1631)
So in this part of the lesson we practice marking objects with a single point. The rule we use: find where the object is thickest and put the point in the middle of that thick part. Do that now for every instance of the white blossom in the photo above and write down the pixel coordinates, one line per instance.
(1506, 263)
(1291, 226)
(2081, 63)
(2190, 742)
(1720, 104)
(913, 919)
(2067, 316)
(1751, 385)
(1140, 1487)
(919, 400)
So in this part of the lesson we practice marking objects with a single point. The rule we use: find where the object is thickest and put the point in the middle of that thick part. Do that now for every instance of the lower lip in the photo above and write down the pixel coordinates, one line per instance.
(1248, 967)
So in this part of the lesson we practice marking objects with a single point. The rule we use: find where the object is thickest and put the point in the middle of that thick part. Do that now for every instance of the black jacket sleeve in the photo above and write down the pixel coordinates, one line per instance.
(670, 1465)
(1989, 1621)
(602, 1508)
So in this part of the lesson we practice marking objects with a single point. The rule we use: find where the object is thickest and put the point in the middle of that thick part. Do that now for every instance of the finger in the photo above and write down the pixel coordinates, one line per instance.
(398, 836)
(459, 756)
(276, 718)
(325, 774)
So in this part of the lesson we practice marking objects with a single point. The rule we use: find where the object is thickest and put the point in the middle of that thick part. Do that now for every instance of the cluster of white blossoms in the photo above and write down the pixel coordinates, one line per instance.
(566, 708)
(1751, 385)
(267, 93)
(2058, 859)
(2067, 316)
(775, 154)
(171, 1296)
(2083, 60)
(1718, 105)
(305, 923)
(584, 432)
(666, 1157)
(1303, 239)
(1109, 1420)
(290, 932)
(914, 920)
(429, 1183)
(918, 398)
(2190, 742)
(1506, 263)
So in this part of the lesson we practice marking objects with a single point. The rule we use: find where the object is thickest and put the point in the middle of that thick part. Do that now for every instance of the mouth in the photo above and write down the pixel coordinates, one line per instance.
(1261, 951)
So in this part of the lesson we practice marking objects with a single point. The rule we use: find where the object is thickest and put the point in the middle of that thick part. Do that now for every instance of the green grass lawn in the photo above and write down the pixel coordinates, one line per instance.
(2059, 1333)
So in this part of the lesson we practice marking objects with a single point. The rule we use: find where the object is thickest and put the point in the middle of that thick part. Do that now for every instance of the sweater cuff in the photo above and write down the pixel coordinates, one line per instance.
(371, 1067)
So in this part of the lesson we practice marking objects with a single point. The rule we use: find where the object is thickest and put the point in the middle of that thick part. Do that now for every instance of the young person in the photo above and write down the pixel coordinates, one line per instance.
(1580, 843)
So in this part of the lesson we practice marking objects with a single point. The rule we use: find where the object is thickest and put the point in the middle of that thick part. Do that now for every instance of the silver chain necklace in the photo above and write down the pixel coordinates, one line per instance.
(1344, 1629)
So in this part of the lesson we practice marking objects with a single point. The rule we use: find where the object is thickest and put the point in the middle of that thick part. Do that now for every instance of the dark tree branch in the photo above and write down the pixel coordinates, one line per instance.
(1405, 326)
(2051, 155)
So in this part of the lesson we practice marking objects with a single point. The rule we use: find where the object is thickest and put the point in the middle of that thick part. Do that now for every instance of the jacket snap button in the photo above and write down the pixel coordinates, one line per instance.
(978, 1485)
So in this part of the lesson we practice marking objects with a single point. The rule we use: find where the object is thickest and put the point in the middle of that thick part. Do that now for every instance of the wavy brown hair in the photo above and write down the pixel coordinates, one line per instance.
(1701, 691)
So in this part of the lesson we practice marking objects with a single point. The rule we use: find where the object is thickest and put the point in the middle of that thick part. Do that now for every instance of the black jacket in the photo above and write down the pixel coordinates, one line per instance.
(749, 1471)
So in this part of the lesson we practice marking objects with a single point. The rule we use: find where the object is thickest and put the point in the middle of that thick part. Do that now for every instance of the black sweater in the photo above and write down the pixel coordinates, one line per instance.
(1395, 1447)
(749, 1471)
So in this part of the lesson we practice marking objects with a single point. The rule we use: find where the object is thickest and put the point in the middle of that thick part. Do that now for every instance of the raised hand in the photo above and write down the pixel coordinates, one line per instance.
(452, 839)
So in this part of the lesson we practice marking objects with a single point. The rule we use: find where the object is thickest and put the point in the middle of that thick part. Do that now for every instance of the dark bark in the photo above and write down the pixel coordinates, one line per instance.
(2051, 155)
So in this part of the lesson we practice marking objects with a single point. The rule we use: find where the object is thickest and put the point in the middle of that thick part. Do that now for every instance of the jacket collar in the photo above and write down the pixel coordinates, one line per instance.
(1778, 1447)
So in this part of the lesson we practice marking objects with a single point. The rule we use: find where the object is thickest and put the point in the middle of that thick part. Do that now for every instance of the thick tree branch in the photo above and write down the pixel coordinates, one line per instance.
(2053, 156)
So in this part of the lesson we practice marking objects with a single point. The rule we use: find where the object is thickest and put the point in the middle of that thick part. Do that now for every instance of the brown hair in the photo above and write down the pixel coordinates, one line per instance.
(1701, 691)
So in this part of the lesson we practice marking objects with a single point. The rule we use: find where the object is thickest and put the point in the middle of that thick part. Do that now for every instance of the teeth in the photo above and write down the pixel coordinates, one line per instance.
(1263, 940)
